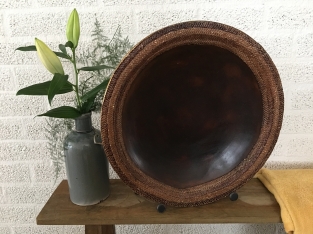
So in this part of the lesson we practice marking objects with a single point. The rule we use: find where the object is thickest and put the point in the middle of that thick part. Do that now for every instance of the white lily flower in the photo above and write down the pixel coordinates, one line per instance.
(48, 58)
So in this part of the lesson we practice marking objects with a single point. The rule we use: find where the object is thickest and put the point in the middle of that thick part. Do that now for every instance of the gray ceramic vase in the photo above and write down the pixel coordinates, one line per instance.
(87, 167)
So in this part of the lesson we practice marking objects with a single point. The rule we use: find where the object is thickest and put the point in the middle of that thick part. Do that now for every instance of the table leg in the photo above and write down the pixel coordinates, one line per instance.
(99, 229)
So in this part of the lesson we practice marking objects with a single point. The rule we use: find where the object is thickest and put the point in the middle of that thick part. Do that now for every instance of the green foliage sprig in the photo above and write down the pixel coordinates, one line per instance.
(106, 50)
(59, 84)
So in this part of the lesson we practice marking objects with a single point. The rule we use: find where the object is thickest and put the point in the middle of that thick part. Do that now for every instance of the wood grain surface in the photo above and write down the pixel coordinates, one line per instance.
(254, 205)
(99, 229)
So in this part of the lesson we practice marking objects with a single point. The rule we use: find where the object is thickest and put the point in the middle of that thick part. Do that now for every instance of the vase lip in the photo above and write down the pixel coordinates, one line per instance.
(83, 123)
(84, 115)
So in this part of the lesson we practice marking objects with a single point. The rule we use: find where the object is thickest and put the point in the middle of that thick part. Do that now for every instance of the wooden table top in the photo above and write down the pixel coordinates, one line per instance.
(254, 205)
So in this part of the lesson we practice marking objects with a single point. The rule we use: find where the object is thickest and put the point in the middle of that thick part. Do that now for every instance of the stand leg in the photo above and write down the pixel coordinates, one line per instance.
(99, 229)
(233, 196)
(161, 208)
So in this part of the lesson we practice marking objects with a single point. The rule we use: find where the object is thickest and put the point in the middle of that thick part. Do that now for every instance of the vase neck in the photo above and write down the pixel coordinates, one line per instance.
(83, 123)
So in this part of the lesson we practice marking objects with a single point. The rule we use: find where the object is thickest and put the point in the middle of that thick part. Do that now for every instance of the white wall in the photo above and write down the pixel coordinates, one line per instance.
(284, 28)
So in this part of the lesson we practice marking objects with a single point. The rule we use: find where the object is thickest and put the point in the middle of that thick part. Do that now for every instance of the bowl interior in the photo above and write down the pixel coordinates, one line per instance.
(192, 115)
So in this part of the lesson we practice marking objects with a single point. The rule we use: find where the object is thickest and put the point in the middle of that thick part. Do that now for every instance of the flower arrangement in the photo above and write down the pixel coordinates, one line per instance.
(84, 99)
(104, 50)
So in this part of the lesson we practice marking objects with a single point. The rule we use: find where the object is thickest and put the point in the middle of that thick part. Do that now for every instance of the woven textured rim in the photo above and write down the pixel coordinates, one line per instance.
(201, 33)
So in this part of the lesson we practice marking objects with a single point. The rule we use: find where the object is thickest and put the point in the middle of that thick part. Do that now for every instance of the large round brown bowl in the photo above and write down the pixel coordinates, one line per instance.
(192, 113)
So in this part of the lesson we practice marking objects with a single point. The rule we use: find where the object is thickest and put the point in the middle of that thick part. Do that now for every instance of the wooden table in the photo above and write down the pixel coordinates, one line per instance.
(254, 205)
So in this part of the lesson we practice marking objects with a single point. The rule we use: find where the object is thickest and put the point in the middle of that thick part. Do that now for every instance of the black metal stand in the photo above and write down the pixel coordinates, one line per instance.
(233, 196)
(161, 208)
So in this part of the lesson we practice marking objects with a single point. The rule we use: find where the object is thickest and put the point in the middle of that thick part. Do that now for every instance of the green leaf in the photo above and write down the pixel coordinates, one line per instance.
(69, 44)
(87, 105)
(33, 48)
(62, 48)
(95, 90)
(27, 48)
(56, 84)
(95, 68)
(62, 55)
(42, 89)
(66, 112)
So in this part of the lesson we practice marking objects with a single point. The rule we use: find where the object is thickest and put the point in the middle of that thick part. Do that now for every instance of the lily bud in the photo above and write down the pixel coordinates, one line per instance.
(73, 28)
(48, 58)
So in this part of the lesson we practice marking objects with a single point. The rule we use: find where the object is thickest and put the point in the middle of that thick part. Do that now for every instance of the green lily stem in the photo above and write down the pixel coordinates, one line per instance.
(76, 79)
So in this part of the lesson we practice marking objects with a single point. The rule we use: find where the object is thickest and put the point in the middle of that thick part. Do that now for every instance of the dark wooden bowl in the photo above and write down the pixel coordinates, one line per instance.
(192, 113)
